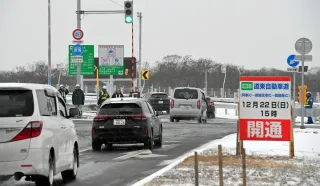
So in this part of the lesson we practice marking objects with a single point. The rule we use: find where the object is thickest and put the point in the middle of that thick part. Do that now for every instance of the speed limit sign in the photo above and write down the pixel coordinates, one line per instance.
(77, 34)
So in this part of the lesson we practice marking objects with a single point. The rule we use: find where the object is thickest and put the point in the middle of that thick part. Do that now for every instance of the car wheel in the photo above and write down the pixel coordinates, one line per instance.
(158, 143)
(96, 145)
(168, 111)
(72, 174)
(213, 115)
(171, 119)
(47, 180)
(149, 143)
(199, 120)
(177, 120)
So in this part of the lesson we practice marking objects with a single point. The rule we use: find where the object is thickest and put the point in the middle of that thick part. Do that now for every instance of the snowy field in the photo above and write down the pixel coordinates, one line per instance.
(268, 163)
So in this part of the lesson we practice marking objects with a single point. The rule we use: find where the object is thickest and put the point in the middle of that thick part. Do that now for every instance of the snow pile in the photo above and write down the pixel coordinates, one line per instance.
(231, 113)
(268, 163)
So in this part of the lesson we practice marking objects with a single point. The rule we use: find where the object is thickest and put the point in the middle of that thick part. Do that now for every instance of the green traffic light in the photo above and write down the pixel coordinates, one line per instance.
(128, 19)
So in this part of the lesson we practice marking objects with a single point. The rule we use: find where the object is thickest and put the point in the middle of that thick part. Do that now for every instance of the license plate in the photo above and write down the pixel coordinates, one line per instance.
(119, 122)
(160, 102)
(185, 107)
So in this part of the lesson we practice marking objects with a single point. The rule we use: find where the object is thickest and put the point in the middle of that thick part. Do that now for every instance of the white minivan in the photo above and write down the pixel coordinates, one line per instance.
(37, 138)
(188, 103)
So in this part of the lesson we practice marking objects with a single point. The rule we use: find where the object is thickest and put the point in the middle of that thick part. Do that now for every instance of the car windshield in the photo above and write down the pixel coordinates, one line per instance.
(16, 103)
(121, 109)
(159, 96)
(186, 94)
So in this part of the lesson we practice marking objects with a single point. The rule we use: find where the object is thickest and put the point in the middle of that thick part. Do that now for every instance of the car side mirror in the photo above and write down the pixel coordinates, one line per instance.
(207, 99)
(74, 112)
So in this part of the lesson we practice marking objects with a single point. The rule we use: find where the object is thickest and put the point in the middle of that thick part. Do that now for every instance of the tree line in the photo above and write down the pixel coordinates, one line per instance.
(170, 71)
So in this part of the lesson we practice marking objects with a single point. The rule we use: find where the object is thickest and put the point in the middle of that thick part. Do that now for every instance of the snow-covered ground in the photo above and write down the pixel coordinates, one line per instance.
(267, 163)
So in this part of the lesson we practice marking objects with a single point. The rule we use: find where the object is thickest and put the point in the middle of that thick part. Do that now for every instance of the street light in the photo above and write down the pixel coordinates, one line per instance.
(128, 11)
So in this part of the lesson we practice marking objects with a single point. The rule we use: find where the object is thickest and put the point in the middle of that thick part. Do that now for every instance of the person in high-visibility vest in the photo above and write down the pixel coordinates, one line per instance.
(103, 95)
(308, 107)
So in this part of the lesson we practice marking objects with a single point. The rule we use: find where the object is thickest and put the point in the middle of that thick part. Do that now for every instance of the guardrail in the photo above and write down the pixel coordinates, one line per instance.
(225, 103)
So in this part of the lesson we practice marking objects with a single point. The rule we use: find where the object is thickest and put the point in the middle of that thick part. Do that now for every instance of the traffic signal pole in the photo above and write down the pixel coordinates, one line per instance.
(132, 60)
(79, 12)
(140, 53)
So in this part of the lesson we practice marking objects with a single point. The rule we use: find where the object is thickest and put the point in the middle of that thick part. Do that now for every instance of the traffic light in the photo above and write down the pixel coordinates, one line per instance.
(300, 94)
(128, 11)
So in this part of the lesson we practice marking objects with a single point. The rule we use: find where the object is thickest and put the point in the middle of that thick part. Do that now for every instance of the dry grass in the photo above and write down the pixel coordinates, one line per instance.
(251, 161)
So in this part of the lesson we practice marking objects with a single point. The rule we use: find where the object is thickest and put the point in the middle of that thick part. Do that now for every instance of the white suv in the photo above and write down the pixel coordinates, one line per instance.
(188, 103)
(37, 138)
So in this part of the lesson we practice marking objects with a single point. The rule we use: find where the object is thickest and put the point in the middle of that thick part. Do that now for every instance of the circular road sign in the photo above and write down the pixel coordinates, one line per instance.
(303, 46)
(291, 62)
(77, 50)
(77, 34)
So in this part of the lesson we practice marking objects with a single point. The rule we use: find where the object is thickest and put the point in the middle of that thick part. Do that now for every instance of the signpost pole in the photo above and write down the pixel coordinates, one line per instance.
(79, 79)
(303, 46)
(302, 93)
(111, 80)
(49, 42)
(294, 95)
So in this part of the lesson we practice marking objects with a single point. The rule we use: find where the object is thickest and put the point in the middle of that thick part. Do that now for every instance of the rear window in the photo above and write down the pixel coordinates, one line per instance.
(16, 103)
(186, 94)
(121, 109)
(159, 96)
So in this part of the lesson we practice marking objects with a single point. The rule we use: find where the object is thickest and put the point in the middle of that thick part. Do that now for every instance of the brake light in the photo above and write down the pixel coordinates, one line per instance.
(100, 118)
(146, 130)
(172, 103)
(92, 131)
(198, 104)
(137, 117)
(32, 130)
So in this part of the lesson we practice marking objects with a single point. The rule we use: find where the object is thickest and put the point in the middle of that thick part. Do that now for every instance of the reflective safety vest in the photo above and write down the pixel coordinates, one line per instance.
(308, 104)
(104, 95)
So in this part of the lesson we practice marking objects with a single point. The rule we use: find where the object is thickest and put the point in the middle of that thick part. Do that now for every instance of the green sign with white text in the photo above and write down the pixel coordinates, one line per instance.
(87, 64)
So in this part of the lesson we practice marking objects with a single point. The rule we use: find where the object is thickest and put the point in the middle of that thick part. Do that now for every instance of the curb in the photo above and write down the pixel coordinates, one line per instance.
(176, 162)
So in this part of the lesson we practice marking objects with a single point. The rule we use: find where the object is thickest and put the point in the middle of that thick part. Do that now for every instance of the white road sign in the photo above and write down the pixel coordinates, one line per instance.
(306, 57)
(292, 69)
(265, 102)
(77, 59)
(111, 55)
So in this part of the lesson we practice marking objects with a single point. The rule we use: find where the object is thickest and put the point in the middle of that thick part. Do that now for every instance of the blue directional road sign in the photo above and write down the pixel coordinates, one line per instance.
(291, 62)
(77, 50)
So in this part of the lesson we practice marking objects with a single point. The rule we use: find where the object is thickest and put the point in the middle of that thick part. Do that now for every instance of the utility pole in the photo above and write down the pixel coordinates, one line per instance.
(79, 78)
(140, 53)
(206, 82)
(49, 42)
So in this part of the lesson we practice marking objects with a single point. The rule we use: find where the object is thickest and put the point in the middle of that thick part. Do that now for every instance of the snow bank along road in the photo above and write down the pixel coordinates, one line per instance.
(125, 166)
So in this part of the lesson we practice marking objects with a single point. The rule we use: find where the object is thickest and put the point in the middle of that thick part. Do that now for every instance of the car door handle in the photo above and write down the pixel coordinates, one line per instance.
(63, 127)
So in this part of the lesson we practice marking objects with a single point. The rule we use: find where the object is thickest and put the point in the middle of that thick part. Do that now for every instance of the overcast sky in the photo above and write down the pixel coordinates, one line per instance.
(252, 33)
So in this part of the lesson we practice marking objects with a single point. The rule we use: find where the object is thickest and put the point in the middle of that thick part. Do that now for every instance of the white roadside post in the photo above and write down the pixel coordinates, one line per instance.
(303, 46)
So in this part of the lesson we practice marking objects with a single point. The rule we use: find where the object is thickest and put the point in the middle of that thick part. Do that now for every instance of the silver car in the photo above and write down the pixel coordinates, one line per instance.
(188, 103)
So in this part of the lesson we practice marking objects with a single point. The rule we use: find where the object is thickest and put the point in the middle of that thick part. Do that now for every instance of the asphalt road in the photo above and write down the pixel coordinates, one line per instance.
(124, 166)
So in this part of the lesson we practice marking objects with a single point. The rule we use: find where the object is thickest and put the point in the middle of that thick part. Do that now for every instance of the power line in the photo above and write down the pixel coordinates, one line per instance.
(116, 3)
